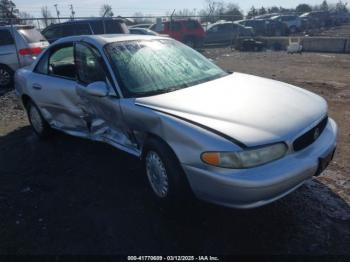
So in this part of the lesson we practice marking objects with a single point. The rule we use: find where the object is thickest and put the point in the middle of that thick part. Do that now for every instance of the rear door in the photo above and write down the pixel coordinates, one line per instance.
(52, 86)
(212, 34)
(8, 55)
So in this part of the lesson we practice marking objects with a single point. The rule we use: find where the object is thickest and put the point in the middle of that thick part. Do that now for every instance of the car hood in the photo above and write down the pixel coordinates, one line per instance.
(251, 109)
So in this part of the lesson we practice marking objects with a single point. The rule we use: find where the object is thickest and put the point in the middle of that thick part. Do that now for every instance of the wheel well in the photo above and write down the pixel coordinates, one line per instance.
(156, 137)
(25, 100)
(6, 66)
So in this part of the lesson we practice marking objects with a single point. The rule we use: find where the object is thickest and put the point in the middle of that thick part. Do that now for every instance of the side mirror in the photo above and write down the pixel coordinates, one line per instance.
(99, 89)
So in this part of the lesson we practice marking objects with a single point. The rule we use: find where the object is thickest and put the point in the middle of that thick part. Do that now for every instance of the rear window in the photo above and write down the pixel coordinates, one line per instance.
(5, 38)
(31, 35)
(97, 27)
(192, 25)
(175, 26)
(115, 27)
(53, 32)
(82, 29)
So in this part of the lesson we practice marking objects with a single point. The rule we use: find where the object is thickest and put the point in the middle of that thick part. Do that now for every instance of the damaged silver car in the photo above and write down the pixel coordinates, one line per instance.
(229, 138)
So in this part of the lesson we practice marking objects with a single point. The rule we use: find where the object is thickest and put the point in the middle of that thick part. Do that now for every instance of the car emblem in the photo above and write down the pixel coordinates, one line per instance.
(317, 133)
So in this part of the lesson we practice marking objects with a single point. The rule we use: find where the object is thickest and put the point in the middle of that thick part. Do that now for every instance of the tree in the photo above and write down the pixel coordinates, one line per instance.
(184, 13)
(8, 9)
(140, 19)
(233, 12)
(273, 9)
(252, 12)
(27, 18)
(324, 6)
(303, 8)
(106, 11)
(262, 11)
(341, 7)
(47, 16)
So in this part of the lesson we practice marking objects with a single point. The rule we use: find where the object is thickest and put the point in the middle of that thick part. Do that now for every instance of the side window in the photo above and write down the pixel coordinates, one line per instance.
(82, 29)
(114, 27)
(53, 32)
(175, 26)
(43, 65)
(227, 28)
(97, 27)
(214, 29)
(6, 38)
(61, 62)
(67, 30)
(89, 65)
(192, 25)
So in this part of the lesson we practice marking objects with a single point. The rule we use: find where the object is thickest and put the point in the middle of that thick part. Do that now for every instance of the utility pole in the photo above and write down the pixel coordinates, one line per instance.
(57, 12)
(72, 11)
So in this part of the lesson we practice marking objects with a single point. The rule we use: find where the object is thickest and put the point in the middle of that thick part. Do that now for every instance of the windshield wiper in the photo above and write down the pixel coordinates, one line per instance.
(160, 91)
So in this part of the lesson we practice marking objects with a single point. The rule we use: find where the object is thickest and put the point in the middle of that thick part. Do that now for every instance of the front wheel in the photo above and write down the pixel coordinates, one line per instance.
(38, 123)
(165, 175)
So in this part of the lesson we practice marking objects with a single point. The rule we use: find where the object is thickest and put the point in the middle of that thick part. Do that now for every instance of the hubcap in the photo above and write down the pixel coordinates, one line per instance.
(36, 119)
(156, 174)
(5, 77)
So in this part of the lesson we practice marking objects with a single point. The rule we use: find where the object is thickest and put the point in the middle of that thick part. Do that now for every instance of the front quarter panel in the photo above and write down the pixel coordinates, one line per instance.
(187, 140)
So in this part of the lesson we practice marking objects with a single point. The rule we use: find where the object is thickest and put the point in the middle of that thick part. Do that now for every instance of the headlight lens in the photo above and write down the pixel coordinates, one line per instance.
(245, 159)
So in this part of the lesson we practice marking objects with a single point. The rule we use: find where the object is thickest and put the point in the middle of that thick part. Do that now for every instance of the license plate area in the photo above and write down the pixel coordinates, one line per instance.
(323, 162)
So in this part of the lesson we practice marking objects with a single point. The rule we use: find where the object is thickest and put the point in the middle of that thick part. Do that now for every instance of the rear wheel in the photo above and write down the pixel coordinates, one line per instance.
(6, 77)
(38, 123)
(191, 41)
(165, 175)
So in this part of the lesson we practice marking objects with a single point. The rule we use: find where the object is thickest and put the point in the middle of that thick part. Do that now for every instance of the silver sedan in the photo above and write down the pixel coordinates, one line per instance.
(228, 138)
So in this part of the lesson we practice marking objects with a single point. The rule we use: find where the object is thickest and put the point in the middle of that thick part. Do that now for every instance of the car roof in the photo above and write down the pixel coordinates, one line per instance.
(101, 40)
(82, 21)
(17, 26)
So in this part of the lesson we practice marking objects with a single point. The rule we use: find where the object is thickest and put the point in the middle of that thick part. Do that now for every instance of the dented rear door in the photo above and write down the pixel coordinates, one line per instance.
(52, 86)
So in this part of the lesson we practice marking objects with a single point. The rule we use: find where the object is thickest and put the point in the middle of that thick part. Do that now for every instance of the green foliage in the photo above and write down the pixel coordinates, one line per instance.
(303, 8)
(8, 9)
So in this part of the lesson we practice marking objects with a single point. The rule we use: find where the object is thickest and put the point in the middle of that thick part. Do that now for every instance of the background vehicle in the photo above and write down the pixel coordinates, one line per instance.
(293, 22)
(339, 17)
(85, 27)
(317, 19)
(226, 32)
(266, 27)
(19, 46)
(187, 31)
(141, 31)
(146, 26)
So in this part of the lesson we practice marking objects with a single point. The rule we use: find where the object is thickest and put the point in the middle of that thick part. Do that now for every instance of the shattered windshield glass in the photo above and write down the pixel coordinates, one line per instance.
(149, 67)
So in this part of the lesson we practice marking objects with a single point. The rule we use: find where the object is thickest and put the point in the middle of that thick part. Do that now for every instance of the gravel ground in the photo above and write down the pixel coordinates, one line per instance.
(73, 196)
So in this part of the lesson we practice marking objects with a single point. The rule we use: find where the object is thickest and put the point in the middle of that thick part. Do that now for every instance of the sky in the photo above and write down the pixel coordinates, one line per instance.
(155, 7)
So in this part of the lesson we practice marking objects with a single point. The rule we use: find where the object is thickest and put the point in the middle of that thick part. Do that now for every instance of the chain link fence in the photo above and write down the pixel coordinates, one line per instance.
(43, 22)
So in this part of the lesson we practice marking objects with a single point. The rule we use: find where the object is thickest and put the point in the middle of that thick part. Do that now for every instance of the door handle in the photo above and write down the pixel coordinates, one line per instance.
(37, 86)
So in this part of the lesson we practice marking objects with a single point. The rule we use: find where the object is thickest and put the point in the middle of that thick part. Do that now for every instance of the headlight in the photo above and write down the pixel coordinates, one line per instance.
(246, 158)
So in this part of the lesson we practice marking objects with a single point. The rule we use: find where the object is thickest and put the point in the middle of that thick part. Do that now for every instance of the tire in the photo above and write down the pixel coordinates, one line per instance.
(40, 126)
(6, 77)
(191, 42)
(165, 176)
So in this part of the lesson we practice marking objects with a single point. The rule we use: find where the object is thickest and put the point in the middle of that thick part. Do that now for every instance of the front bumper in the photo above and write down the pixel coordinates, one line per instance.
(261, 185)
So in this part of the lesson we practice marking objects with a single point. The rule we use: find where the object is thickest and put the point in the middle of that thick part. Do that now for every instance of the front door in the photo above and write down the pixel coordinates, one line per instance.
(104, 116)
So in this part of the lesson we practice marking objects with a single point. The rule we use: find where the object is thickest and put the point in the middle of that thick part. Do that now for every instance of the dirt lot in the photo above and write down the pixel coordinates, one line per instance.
(72, 196)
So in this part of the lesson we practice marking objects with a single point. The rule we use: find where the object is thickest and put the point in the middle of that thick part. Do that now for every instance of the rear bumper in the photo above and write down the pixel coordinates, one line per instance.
(261, 185)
